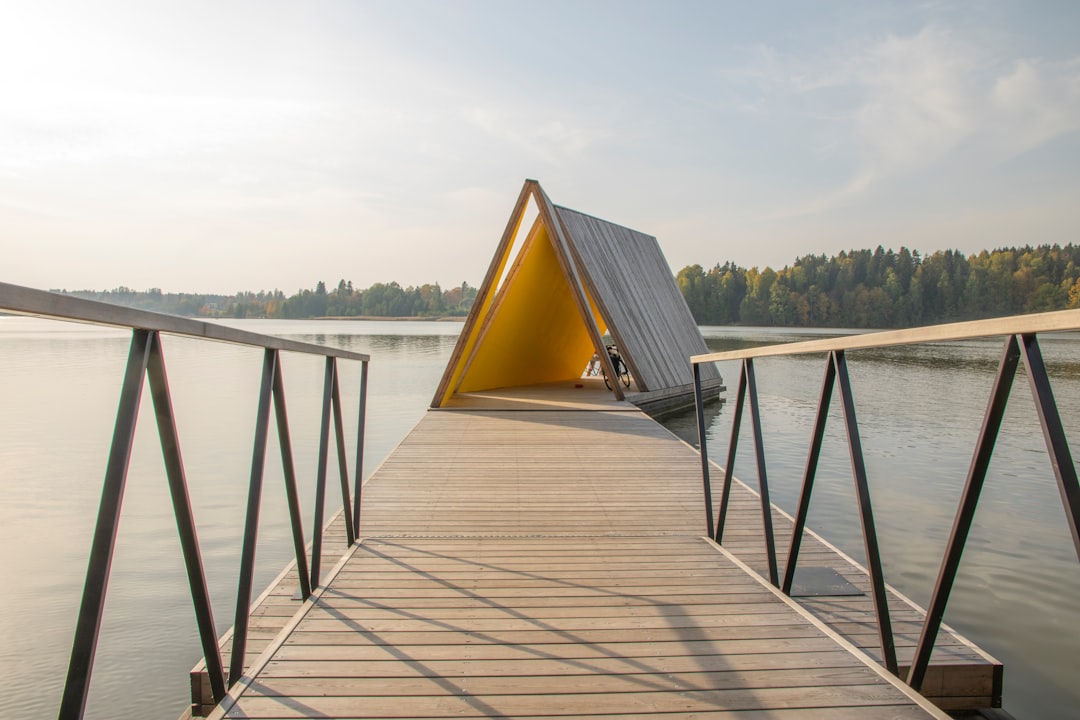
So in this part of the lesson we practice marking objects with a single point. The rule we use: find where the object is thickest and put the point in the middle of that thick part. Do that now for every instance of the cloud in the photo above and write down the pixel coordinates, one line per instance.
(929, 93)
(918, 100)
(101, 127)
(1035, 103)
(545, 134)
(903, 106)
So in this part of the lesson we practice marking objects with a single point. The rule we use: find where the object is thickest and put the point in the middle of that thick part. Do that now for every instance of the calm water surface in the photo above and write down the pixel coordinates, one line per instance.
(919, 412)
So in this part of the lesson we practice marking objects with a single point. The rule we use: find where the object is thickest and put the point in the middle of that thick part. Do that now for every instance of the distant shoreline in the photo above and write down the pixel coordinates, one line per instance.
(409, 318)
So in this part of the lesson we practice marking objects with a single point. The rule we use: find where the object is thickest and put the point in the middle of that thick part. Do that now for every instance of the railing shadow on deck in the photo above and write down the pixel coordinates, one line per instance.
(146, 362)
(1021, 341)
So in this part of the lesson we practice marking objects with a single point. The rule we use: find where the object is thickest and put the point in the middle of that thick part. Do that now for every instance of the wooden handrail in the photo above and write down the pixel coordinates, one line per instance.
(1059, 321)
(39, 303)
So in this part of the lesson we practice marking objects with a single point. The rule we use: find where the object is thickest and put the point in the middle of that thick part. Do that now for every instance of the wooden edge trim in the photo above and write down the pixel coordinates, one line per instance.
(234, 694)
(563, 252)
(1060, 320)
(903, 687)
(483, 298)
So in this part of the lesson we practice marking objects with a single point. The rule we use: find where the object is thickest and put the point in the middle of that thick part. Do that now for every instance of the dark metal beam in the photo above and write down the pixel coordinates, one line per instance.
(320, 477)
(703, 447)
(358, 481)
(1054, 434)
(185, 518)
(729, 466)
(288, 467)
(866, 516)
(251, 521)
(92, 606)
(763, 479)
(965, 512)
(343, 466)
(808, 476)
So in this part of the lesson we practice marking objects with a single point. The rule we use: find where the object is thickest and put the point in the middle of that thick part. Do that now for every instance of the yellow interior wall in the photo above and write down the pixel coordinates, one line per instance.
(536, 333)
(485, 303)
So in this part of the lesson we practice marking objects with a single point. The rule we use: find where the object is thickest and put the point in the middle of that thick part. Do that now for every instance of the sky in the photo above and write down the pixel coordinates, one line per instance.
(223, 146)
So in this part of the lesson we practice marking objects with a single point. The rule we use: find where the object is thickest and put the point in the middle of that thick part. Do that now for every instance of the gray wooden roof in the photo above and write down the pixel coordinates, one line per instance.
(628, 278)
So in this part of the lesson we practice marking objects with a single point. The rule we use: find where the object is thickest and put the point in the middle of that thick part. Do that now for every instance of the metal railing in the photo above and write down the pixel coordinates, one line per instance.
(1021, 341)
(146, 361)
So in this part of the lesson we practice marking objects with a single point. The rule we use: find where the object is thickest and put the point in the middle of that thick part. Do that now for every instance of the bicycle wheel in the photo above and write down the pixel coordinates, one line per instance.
(624, 374)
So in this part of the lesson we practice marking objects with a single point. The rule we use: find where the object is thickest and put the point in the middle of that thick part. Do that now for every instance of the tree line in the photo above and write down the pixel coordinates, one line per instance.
(856, 289)
(379, 300)
(886, 289)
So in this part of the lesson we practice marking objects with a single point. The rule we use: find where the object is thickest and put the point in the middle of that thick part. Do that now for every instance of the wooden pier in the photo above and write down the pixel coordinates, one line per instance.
(549, 561)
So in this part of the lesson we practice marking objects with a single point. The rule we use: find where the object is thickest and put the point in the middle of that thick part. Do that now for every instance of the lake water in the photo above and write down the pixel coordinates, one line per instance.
(919, 411)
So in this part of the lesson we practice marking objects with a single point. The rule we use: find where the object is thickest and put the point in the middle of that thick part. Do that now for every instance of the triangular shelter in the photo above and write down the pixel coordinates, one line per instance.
(541, 313)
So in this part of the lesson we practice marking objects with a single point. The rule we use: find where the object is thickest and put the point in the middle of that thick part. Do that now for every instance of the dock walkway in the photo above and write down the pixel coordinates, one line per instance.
(549, 562)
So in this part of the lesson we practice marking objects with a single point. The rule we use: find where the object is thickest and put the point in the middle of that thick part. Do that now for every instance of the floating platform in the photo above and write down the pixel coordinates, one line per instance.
(548, 560)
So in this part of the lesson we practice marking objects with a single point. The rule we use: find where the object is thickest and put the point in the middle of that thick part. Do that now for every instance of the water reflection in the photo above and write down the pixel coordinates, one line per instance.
(683, 423)
(420, 345)
(919, 410)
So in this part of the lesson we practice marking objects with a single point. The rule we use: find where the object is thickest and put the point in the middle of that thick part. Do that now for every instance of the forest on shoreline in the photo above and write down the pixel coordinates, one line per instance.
(886, 289)
(855, 289)
(381, 300)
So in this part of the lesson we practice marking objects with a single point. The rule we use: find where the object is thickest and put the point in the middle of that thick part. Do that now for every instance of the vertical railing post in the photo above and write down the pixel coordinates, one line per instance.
(358, 482)
(343, 466)
(729, 466)
(251, 521)
(866, 515)
(185, 519)
(92, 606)
(1054, 434)
(763, 480)
(808, 477)
(320, 477)
(288, 467)
(699, 405)
(965, 512)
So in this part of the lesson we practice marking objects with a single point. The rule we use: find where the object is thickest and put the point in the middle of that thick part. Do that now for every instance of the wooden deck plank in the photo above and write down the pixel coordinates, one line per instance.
(537, 679)
(550, 563)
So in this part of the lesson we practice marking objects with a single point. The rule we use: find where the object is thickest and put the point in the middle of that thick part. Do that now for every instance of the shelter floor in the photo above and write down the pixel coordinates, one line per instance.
(587, 393)
(549, 563)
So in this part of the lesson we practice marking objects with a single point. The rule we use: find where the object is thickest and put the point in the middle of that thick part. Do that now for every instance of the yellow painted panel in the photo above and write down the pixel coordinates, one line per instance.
(536, 333)
(481, 309)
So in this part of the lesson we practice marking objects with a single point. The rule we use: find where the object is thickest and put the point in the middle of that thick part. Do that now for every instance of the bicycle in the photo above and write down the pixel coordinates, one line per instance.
(621, 370)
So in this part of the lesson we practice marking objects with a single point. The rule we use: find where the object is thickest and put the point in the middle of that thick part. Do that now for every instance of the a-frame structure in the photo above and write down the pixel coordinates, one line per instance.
(542, 311)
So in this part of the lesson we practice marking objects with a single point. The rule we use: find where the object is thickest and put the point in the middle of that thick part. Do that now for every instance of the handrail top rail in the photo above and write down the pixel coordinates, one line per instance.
(1060, 320)
(21, 300)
